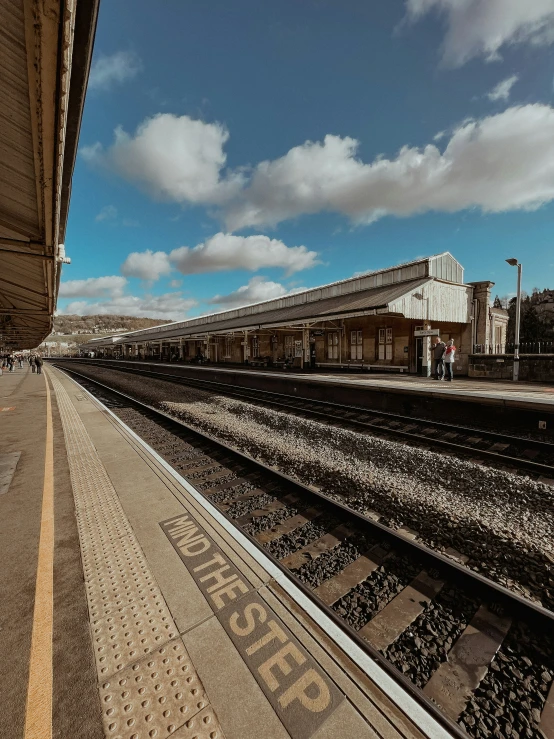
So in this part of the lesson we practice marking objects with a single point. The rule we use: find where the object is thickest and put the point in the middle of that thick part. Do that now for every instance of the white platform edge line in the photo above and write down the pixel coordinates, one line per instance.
(424, 721)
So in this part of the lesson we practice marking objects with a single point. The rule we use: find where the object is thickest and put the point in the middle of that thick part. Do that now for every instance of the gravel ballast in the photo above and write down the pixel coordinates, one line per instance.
(503, 522)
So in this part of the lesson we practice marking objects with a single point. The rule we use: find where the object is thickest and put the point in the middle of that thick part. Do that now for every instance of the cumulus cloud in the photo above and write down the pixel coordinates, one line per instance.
(93, 287)
(226, 252)
(172, 157)
(108, 213)
(147, 265)
(482, 27)
(171, 306)
(499, 163)
(503, 89)
(108, 71)
(257, 290)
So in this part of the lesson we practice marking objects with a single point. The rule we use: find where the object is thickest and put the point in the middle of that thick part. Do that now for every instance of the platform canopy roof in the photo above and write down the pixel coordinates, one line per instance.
(406, 289)
(45, 55)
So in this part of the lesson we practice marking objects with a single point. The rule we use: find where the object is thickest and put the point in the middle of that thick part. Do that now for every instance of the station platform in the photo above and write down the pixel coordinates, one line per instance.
(521, 407)
(131, 608)
(522, 394)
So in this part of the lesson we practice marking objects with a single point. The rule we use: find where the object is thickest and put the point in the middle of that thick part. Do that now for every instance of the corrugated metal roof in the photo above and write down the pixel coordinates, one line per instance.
(45, 53)
(343, 305)
(437, 266)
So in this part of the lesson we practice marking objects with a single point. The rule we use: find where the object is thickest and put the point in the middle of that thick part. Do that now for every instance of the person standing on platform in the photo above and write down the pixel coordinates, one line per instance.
(38, 362)
(438, 355)
(449, 356)
(32, 362)
(11, 362)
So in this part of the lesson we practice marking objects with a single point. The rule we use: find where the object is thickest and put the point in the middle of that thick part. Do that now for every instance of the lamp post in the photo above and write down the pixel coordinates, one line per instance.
(515, 263)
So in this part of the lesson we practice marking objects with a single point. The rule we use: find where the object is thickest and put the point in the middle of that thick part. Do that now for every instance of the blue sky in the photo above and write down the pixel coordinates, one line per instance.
(232, 152)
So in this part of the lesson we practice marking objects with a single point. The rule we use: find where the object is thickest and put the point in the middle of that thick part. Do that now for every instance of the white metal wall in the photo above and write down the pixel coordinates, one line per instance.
(436, 301)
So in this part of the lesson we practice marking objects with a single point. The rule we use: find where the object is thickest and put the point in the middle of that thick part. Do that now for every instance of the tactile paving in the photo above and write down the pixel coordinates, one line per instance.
(128, 635)
(202, 726)
(154, 697)
(148, 685)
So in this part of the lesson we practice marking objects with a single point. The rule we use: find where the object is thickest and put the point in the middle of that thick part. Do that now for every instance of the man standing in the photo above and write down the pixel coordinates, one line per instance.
(449, 356)
(38, 362)
(438, 355)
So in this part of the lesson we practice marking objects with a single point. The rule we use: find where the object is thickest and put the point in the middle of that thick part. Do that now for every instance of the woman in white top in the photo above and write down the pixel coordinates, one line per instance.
(449, 356)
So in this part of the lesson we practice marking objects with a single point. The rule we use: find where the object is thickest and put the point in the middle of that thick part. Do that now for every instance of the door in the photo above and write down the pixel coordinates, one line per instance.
(419, 354)
(356, 346)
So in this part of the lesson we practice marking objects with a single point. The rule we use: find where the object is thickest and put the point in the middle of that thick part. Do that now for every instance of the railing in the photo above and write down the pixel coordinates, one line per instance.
(525, 347)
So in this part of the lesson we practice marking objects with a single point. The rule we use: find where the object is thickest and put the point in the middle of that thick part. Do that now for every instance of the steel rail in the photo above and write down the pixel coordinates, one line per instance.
(499, 599)
(285, 403)
(389, 668)
(517, 604)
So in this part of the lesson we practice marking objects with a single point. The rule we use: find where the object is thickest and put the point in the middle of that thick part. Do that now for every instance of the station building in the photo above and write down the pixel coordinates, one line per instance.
(379, 320)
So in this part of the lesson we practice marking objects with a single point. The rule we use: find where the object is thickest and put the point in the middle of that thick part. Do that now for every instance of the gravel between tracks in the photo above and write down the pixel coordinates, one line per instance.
(502, 521)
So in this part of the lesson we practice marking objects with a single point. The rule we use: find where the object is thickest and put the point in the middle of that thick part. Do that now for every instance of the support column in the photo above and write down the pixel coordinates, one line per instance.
(482, 296)
(303, 359)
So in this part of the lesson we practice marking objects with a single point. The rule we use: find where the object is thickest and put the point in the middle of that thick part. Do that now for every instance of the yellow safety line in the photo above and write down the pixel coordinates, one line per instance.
(38, 715)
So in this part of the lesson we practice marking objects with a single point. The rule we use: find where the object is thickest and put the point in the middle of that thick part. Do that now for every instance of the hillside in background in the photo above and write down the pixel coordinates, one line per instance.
(101, 324)
(82, 328)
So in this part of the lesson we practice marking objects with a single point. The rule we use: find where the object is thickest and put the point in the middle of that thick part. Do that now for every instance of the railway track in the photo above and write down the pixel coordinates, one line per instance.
(518, 454)
(453, 638)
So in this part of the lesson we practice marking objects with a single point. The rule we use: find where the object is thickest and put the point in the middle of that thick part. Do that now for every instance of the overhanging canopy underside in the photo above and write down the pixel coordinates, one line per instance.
(45, 51)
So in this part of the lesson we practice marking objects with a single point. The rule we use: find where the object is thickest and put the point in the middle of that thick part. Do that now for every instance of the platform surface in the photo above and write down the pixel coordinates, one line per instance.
(120, 635)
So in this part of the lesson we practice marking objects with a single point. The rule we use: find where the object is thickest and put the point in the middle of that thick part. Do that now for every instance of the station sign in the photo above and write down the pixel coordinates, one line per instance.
(427, 332)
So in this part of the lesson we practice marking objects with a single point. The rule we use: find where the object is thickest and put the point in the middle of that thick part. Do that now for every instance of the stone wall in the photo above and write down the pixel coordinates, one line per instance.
(532, 367)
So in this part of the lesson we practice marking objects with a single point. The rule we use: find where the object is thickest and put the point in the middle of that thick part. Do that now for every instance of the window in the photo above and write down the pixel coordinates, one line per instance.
(333, 345)
(385, 344)
(289, 347)
(255, 346)
(356, 345)
(228, 347)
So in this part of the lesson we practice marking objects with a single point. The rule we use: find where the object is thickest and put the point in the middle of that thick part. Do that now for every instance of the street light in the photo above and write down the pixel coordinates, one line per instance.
(515, 263)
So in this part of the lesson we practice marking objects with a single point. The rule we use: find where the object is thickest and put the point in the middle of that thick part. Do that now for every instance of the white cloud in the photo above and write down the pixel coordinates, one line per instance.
(172, 157)
(503, 89)
(483, 27)
(108, 213)
(257, 290)
(93, 287)
(500, 163)
(227, 252)
(148, 265)
(108, 71)
(175, 283)
(439, 136)
(171, 306)
(92, 153)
